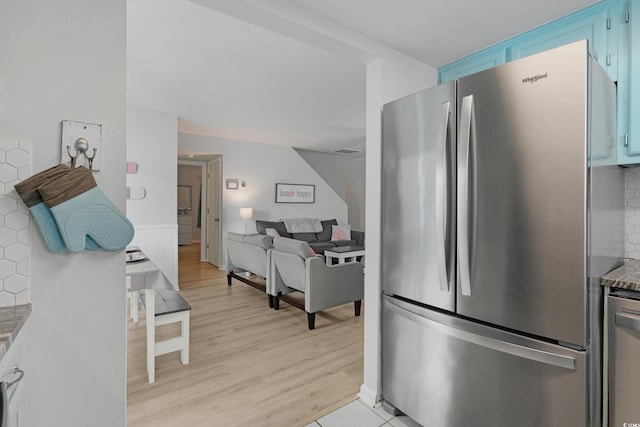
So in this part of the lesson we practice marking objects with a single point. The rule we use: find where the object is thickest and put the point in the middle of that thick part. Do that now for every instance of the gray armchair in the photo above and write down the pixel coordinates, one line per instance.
(294, 268)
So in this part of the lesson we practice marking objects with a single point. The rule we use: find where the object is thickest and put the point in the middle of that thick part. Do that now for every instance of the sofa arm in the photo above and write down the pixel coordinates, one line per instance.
(329, 286)
(358, 236)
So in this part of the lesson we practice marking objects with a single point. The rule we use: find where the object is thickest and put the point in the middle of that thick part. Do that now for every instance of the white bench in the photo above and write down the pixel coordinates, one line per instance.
(164, 306)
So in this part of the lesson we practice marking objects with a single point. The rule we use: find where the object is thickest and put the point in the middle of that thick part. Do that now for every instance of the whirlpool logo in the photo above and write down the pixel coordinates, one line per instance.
(534, 79)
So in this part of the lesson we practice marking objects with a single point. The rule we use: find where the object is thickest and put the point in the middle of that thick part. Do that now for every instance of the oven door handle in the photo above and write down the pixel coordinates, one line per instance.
(628, 320)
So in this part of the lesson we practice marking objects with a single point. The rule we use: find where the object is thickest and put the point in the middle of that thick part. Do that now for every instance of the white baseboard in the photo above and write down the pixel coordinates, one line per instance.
(368, 396)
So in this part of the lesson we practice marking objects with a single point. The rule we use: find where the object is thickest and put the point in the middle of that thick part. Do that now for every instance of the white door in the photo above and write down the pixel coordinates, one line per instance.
(213, 211)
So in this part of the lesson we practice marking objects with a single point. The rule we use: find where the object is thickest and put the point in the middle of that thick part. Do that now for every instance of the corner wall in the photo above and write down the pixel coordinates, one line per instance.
(66, 60)
(388, 78)
(152, 143)
(346, 175)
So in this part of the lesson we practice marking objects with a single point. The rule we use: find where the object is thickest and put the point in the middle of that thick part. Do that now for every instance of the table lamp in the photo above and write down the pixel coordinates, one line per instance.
(246, 214)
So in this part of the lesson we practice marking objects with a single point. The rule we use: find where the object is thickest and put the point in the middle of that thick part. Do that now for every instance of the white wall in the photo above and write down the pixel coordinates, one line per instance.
(261, 166)
(346, 175)
(65, 60)
(152, 141)
(388, 78)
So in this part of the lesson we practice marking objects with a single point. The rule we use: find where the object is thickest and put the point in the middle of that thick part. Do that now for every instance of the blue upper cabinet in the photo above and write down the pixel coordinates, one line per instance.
(613, 30)
(483, 60)
(629, 83)
(597, 24)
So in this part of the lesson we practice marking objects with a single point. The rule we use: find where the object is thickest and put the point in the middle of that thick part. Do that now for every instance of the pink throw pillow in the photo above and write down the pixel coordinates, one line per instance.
(340, 232)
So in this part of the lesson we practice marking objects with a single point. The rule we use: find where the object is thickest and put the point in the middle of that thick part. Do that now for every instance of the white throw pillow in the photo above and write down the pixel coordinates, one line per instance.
(272, 232)
(341, 232)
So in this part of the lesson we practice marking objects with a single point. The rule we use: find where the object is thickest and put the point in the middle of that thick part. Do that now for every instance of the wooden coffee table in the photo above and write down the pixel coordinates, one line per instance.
(343, 254)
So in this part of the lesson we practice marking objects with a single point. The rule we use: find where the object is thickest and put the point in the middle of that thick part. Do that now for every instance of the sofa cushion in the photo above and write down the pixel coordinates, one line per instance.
(345, 242)
(340, 232)
(320, 247)
(292, 246)
(236, 237)
(262, 226)
(325, 234)
(265, 242)
(307, 237)
(272, 232)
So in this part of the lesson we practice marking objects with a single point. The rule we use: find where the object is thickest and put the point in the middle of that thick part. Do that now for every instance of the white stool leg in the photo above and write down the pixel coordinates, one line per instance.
(133, 296)
(184, 353)
(150, 300)
(134, 306)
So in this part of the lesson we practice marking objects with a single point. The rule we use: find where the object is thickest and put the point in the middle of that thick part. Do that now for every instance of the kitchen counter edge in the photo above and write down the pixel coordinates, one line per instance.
(627, 276)
(12, 319)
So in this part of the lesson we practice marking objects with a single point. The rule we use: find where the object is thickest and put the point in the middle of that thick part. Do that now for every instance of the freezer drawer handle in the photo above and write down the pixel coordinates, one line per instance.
(628, 320)
(529, 353)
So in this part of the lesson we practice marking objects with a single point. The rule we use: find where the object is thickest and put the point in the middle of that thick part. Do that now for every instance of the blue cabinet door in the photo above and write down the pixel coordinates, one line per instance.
(596, 24)
(629, 84)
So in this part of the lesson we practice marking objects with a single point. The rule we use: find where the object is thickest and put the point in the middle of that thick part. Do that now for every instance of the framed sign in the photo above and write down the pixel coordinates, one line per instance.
(295, 193)
(232, 183)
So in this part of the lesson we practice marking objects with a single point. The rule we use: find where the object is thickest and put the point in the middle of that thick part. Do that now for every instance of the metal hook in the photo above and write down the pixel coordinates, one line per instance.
(73, 158)
(90, 159)
(81, 145)
(15, 370)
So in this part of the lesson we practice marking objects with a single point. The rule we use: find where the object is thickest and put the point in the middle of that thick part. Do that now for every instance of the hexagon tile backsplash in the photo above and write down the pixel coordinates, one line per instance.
(15, 252)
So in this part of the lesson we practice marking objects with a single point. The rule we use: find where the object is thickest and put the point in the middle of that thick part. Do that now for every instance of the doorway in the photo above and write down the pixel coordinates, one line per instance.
(208, 213)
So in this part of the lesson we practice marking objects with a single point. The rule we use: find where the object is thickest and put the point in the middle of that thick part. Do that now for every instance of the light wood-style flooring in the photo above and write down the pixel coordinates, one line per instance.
(249, 365)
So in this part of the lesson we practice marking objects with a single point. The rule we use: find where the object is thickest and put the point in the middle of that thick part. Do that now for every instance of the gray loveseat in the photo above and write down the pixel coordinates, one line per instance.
(317, 241)
(294, 268)
(251, 252)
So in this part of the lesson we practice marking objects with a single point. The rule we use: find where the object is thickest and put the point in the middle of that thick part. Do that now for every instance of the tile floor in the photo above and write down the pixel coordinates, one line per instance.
(357, 414)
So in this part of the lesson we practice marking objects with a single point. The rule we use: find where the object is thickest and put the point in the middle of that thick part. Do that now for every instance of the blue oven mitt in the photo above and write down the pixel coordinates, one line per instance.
(82, 210)
(28, 192)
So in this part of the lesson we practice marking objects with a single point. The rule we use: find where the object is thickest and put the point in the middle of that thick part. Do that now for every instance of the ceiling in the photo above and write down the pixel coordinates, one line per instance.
(227, 77)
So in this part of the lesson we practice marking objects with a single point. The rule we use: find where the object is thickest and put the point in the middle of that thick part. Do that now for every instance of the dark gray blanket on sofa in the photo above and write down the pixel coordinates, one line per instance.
(318, 241)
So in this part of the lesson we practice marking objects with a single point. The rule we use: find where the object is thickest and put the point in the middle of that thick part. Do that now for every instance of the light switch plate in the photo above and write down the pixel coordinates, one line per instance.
(71, 132)
(136, 193)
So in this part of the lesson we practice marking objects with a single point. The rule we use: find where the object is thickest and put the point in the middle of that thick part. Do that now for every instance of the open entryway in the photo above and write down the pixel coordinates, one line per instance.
(206, 210)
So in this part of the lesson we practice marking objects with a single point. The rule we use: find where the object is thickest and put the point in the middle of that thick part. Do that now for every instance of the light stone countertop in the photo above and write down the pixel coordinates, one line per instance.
(11, 321)
(627, 276)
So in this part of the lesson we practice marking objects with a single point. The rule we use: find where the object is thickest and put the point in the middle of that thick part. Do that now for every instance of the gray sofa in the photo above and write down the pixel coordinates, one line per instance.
(251, 252)
(317, 241)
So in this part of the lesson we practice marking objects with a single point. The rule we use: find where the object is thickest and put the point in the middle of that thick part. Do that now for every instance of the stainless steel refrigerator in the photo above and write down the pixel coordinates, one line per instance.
(502, 207)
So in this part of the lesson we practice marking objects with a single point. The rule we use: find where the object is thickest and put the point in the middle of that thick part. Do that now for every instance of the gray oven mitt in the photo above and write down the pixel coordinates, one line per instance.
(28, 192)
(82, 210)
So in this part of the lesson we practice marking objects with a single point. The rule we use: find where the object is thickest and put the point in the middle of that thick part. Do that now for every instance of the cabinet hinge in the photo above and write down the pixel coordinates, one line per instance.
(627, 17)
(608, 23)
(626, 140)
(608, 59)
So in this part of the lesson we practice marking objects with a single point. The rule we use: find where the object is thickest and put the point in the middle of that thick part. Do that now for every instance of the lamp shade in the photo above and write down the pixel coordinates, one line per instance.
(246, 213)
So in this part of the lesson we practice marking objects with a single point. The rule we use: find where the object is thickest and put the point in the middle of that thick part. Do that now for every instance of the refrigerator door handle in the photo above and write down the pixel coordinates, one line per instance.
(541, 356)
(466, 194)
(441, 193)
(628, 319)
